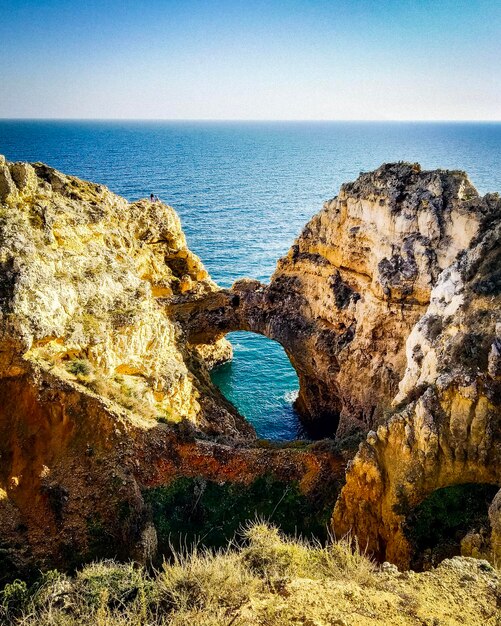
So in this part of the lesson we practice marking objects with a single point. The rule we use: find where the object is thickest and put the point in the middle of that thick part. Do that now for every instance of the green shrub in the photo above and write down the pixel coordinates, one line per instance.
(190, 508)
(117, 583)
(271, 581)
(204, 580)
(273, 556)
(79, 367)
(51, 590)
(15, 598)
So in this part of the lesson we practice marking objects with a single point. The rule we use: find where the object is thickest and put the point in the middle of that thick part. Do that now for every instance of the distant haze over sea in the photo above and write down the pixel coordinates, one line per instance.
(244, 190)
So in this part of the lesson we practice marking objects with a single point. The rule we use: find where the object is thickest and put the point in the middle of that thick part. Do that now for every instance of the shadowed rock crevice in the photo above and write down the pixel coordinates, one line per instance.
(449, 522)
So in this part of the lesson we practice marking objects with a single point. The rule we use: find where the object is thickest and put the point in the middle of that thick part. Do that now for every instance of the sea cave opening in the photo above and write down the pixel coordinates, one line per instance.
(439, 524)
(262, 384)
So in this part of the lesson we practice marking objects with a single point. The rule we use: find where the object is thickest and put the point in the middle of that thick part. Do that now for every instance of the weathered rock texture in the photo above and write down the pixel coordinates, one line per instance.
(101, 396)
(81, 274)
(387, 305)
(345, 298)
(446, 427)
(76, 470)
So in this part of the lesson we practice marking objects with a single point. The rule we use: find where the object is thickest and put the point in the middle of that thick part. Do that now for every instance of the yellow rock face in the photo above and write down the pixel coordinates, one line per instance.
(387, 305)
(98, 385)
(446, 427)
(362, 272)
(351, 289)
(83, 271)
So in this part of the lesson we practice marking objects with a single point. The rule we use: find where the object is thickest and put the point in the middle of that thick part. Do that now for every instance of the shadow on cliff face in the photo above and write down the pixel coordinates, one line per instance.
(193, 511)
(450, 521)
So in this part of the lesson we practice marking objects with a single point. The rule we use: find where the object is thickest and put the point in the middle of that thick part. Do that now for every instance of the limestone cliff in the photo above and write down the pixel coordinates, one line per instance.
(346, 297)
(362, 272)
(387, 305)
(446, 427)
(82, 271)
(102, 398)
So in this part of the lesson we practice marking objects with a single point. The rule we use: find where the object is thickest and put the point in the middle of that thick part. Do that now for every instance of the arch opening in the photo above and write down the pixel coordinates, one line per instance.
(262, 384)
(438, 527)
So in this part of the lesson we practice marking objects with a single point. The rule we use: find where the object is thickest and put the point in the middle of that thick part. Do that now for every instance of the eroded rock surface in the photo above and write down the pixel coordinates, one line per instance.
(101, 396)
(82, 270)
(346, 297)
(362, 272)
(446, 427)
(387, 306)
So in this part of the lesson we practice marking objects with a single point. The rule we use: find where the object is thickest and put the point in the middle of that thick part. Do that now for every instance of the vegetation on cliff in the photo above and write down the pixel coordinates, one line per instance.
(193, 509)
(270, 581)
(84, 276)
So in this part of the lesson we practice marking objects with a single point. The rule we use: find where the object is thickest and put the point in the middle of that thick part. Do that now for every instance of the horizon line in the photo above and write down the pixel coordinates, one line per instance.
(201, 119)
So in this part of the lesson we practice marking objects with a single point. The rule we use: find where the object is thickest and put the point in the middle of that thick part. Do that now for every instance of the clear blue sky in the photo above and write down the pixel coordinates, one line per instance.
(232, 59)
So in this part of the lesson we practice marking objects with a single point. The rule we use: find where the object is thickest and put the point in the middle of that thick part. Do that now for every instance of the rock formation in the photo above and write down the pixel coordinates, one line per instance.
(387, 305)
(345, 298)
(446, 427)
(81, 274)
(101, 396)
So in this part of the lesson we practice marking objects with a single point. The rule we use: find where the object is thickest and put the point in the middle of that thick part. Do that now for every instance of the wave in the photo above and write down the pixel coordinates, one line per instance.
(291, 396)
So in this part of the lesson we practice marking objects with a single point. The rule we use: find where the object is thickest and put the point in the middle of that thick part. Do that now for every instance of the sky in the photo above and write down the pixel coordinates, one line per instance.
(252, 59)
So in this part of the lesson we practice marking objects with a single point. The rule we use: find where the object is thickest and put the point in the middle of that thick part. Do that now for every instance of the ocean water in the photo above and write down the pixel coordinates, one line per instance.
(244, 190)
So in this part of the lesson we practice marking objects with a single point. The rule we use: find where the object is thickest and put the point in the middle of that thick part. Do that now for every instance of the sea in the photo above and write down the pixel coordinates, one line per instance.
(244, 190)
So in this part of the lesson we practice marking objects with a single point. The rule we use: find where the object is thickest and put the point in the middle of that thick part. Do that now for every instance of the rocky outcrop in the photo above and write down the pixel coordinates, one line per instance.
(77, 471)
(446, 427)
(387, 305)
(82, 271)
(101, 397)
(346, 297)
(363, 270)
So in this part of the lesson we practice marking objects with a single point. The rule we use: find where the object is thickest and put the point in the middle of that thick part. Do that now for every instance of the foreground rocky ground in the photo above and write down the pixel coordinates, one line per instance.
(269, 582)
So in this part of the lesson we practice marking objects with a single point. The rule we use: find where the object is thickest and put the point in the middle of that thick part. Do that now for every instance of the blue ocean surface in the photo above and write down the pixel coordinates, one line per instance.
(244, 190)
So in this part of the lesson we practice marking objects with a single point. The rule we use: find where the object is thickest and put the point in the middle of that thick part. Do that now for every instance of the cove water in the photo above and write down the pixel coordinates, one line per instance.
(244, 190)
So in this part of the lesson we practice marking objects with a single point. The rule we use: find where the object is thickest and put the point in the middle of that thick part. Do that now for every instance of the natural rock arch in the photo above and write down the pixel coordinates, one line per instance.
(251, 306)
(387, 306)
(419, 339)
(411, 457)
(345, 298)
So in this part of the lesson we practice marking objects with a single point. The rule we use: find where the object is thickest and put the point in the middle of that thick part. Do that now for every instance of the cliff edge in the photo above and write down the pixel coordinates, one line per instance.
(388, 305)
(107, 409)
(82, 270)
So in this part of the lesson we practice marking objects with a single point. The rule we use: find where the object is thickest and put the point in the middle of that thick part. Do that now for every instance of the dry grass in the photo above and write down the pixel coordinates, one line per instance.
(271, 581)
(272, 556)
(201, 581)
